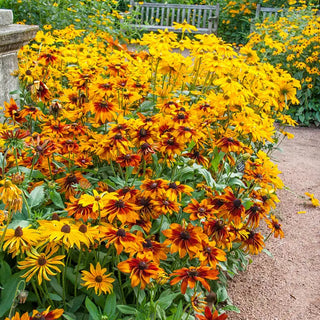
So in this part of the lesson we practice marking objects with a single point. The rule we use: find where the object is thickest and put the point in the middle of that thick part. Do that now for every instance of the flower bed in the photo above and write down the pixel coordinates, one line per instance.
(134, 183)
(292, 43)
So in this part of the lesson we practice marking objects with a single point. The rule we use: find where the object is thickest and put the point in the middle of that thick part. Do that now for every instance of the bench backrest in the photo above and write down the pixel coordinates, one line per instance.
(162, 15)
(265, 12)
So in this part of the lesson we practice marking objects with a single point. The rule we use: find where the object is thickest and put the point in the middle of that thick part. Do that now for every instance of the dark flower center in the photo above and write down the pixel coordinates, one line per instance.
(208, 249)
(42, 261)
(56, 217)
(121, 233)
(83, 228)
(166, 203)
(18, 232)
(39, 148)
(192, 273)
(142, 265)
(120, 204)
(118, 136)
(147, 244)
(66, 228)
(277, 226)
(201, 210)
(127, 157)
(144, 202)
(72, 179)
(28, 73)
(170, 142)
(39, 316)
(98, 279)
(181, 116)
(172, 185)
(143, 132)
(237, 203)
(185, 235)
(254, 209)
(153, 185)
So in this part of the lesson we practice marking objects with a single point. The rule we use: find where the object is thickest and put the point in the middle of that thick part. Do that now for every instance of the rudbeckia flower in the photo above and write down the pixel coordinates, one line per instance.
(141, 271)
(17, 316)
(97, 279)
(42, 263)
(20, 240)
(208, 315)
(275, 227)
(46, 314)
(184, 239)
(191, 275)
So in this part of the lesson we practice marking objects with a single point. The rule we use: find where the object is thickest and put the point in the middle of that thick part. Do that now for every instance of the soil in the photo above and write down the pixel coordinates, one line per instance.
(287, 285)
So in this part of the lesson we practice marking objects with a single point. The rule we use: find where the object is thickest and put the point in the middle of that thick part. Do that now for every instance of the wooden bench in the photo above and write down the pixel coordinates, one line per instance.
(161, 16)
(265, 12)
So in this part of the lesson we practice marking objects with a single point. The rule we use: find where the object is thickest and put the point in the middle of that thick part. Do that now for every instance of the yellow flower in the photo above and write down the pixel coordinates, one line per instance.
(20, 240)
(315, 202)
(184, 26)
(42, 263)
(97, 279)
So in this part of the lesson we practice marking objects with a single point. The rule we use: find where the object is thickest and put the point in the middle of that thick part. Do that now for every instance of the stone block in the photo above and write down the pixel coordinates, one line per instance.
(6, 17)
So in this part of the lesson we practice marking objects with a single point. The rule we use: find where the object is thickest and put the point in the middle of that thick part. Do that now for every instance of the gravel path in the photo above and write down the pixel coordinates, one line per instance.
(287, 286)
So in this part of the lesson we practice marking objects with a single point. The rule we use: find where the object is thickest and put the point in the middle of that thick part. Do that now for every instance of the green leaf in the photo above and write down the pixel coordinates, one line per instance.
(8, 292)
(166, 299)
(231, 308)
(179, 312)
(222, 294)
(55, 297)
(75, 303)
(109, 308)
(5, 271)
(36, 196)
(92, 308)
(19, 223)
(56, 286)
(267, 252)
(126, 309)
(69, 316)
(56, 199)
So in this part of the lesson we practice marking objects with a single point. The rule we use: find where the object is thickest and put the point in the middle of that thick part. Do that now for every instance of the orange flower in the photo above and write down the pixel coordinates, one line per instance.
(46, 314)
(174, 190)
(218, 231)
(191, 275)
(232, 207)
(152, 250)
(253, 243)
(79, 211)
(211, 255)
(208, 315)
(200, 210)
(163, 205)
(121, 238)
(184, 239)
(121, 209)
(128, 160)
(141, 271)
(153, 188)
(275, 227)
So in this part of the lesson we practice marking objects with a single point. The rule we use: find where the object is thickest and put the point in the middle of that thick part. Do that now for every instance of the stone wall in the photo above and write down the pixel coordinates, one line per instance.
(12, 38)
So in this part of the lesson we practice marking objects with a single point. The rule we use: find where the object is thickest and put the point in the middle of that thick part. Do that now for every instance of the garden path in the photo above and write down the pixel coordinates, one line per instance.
(287, 286)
